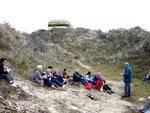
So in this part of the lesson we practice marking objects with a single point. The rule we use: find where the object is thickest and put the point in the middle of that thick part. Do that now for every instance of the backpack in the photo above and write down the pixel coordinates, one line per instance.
(92, 97)
(88, 86)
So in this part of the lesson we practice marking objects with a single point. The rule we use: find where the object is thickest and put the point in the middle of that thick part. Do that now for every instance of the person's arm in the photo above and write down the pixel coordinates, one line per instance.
(104, 82)
(127, 72)
(77, 75)
(38, 75)
(87, 77)
(2, 70)
(147, 76)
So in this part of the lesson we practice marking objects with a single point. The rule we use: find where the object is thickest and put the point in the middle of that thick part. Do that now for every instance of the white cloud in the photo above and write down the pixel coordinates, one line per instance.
(31, 15)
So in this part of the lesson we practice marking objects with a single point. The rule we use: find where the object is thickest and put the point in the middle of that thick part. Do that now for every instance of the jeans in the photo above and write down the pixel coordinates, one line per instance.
(127, 89)
(83, 81)
(48, 81)
(8, 77)
(57, 82)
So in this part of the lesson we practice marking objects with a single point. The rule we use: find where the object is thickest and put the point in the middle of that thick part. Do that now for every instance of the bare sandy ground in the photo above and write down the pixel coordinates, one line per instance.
(71, 99)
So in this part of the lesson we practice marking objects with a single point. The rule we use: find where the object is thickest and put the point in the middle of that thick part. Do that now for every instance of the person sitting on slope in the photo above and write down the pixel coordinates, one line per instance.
(77, 77)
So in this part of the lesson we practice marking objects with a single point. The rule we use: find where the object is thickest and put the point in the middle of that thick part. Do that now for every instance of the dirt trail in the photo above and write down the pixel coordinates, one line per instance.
(71, 99)
(81, 64)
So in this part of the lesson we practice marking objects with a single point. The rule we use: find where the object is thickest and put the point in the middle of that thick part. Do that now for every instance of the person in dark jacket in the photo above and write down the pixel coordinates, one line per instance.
(78, 78)
(6, 74)
(59, 76)
(106, 87)
(55, 78)
(127, 80)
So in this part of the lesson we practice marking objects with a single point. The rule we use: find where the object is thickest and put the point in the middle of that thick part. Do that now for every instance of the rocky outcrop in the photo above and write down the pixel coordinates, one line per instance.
(59, 24)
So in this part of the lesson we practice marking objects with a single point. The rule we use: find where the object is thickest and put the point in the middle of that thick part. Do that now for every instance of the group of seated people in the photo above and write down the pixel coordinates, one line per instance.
(98, 82)
(147, 77)
(54, 79)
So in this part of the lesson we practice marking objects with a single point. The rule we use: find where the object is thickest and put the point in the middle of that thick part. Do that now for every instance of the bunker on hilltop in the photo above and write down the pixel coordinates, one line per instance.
(59, 24)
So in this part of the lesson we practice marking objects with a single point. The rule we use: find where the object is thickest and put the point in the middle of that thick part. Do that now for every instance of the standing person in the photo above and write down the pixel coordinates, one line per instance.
(6, 74)
(127, 80)
(78, 78)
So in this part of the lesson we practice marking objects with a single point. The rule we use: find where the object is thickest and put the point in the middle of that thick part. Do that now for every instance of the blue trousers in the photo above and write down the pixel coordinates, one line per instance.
(48, 81)
(8, 77)
(83, 81)
(57, 82)
(127, 89)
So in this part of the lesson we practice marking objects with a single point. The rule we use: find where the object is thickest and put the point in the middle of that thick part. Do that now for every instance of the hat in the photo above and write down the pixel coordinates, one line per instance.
(50, 67)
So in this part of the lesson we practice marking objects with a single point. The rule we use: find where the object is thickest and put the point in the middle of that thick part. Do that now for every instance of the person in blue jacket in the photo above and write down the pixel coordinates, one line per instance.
(127, 80)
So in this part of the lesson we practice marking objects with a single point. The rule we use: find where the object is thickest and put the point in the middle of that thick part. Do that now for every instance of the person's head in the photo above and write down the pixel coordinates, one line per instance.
(56, 70)
(77, 70)
(48, 71)
(50, 67)
(126, 64)
(65, 69)
(39, 67)
(89, 73)
(102, 77)
(3, 61)
(98, 75)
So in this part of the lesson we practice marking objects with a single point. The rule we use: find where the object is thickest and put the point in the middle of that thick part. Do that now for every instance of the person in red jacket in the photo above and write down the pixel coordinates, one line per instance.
(98, 81)
(6, 74)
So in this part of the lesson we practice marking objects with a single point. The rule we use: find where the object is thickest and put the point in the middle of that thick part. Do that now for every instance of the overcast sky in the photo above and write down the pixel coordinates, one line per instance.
(32, 15)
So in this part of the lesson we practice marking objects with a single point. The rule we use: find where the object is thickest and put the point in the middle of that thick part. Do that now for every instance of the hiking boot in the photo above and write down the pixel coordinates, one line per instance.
(124, 96)
(109, 92)
(129, 95)
(112, 92)
(65, 83)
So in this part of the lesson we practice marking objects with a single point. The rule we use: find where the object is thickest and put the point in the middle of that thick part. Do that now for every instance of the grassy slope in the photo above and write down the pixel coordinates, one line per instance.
(103, 52)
